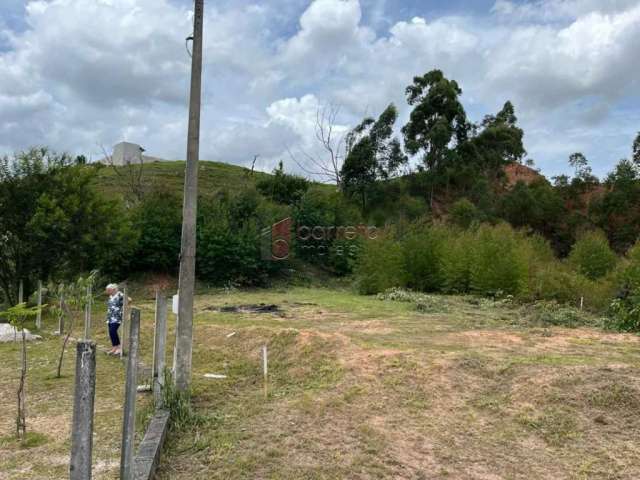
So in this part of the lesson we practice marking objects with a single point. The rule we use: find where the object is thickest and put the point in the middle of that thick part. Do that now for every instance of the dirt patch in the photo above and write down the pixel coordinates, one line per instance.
(250, 308)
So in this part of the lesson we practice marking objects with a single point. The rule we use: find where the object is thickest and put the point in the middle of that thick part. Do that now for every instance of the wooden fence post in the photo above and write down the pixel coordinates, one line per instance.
(131, 387)
(159, 348)
(83, 403)
(125, 306)
(61, 314)
(39, 315)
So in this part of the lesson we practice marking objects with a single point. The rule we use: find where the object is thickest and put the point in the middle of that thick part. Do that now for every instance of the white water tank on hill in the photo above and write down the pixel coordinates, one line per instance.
(125, 153)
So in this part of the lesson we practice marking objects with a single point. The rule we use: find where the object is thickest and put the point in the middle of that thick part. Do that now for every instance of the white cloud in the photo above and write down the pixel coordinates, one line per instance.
(89, 72)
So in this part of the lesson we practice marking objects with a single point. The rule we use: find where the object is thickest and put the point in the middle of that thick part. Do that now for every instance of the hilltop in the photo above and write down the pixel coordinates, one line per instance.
(169, 176)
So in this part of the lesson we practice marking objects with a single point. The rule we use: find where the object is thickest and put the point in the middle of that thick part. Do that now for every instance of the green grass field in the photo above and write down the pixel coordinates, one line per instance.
(359, 388)
(169, 177)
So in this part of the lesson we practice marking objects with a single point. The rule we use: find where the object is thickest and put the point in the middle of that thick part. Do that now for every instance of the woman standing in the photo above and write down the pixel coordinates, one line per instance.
(115, 306)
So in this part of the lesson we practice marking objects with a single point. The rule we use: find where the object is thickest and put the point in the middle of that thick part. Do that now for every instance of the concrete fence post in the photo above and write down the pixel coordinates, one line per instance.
(159, 349)
(83, 403)
(39, 315)
(131, 386)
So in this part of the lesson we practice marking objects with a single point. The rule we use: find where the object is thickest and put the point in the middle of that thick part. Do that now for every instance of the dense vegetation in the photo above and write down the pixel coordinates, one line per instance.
(456, 223)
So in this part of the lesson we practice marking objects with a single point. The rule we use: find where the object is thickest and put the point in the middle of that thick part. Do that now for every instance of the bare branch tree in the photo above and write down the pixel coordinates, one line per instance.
(331, 139)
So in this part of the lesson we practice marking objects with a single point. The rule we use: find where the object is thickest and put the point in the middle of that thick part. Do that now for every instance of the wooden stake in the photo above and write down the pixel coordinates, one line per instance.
(39, 316)
(61, 315)
(265, 370)
(125, 306)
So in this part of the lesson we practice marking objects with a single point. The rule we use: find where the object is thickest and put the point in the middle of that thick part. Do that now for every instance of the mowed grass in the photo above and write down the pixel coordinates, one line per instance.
(359, 388)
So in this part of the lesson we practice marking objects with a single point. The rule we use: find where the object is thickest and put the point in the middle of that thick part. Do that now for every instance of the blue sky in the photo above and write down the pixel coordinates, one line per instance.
(81, 75)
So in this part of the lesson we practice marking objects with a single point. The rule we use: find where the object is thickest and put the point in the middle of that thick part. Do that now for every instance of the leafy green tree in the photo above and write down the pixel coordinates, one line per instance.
(55, 223)
(636, 151)
(158, 220)
(617, 212)
(437, 123)
(496, 142)
(372, 154)
(537, 206)
(437, 119)
(583, 179)
(229, 240)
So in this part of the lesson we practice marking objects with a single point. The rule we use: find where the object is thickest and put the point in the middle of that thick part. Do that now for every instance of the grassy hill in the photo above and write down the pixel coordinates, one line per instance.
(169, 177)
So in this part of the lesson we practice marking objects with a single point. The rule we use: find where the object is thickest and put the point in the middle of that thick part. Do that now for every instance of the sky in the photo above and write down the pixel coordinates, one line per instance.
(81, 75)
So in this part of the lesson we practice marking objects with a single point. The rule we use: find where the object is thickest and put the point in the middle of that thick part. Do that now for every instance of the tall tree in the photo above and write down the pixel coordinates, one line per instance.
(372, 154)
(438, 122)
(438, 117)
(496, 142)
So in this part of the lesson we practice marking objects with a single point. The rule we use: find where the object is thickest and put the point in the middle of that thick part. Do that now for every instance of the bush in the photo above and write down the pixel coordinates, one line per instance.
(551, 313)
(328, 211)
(282, 187)
(456, 262)
(624, 313)
(381, 266)
(630, 276)
(463, 213)
(592, 256)
(498, 262)
(423, 253)
(229, 241)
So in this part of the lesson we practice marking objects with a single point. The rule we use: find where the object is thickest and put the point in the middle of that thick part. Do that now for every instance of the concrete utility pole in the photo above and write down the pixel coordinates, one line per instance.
(186, 283)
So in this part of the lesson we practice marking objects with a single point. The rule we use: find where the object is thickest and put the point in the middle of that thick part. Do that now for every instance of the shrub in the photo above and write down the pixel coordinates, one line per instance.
(282, 187)
(456, 262)
(624, 313)
(229, 242)
(592, 256)
(551, 313)
(463, 213)
(498, 264)
(381, 266)
(423, 252)
(630, 276)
